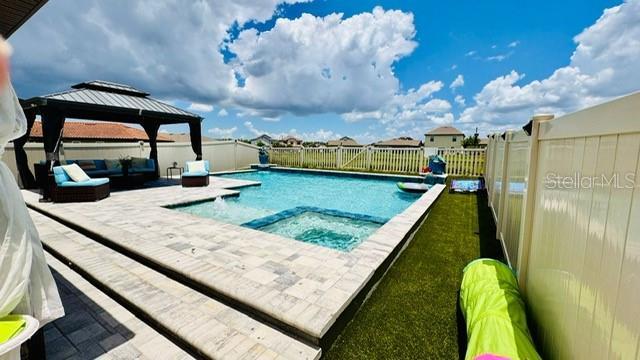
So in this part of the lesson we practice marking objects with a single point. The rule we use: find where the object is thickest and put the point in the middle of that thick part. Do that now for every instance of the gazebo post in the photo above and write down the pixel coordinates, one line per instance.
(151, 128)
(22, 161)
(195, 133)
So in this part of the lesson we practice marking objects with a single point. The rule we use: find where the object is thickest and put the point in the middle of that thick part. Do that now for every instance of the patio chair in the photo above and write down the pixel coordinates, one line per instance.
(71, 184)
(14, 331)
(196, 174)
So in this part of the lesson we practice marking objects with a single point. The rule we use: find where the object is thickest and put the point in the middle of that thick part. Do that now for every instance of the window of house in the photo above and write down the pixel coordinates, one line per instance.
(454, 139)
(432, 139)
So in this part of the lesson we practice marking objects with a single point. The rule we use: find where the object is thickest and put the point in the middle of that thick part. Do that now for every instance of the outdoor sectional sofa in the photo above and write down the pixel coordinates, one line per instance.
(106, 168)
(100, 168)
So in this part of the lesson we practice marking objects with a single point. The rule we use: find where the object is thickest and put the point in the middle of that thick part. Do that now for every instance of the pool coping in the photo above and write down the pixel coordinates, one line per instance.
(355, 174)
(228, 172)
(374, 255)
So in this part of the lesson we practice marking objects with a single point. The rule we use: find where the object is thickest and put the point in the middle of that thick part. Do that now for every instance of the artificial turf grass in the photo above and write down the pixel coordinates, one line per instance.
(413, 313)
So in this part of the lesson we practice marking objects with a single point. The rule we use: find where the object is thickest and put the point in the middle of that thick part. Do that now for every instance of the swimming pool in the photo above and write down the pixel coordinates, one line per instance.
(328, 210)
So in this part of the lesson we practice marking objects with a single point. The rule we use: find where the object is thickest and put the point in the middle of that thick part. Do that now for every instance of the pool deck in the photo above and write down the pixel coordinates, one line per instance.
(205, 325)
(96, 326)
(299, 288)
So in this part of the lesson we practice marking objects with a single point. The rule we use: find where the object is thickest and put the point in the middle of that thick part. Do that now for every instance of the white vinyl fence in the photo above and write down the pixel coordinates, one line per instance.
(566, 201)
(222, 155)
(468, 162)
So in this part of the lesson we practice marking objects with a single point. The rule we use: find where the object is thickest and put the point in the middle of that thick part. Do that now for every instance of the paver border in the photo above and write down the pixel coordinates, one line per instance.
(416, 215)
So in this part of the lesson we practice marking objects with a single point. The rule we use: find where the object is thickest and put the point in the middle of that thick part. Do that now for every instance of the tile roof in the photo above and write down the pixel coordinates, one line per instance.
(343, 141)
(445, 130)
(263, 136)
(399, 142)
(98, 131)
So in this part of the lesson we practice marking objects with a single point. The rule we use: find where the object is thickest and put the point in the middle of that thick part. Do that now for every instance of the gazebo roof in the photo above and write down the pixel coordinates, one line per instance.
(103, 100)
(14, 13)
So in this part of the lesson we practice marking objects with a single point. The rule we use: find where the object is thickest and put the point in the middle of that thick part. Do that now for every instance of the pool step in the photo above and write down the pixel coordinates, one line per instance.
(201, 325)
(96, 326)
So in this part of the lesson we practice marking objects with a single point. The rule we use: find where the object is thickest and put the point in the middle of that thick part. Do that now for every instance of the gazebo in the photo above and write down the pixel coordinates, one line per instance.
(100, 101)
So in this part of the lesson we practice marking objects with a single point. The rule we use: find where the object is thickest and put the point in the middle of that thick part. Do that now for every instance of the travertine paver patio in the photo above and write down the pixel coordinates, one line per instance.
(211, 328)
(300, 284)
(97, 327)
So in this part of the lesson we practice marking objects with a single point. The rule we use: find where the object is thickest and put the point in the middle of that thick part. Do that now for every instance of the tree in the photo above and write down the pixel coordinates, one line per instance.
(472, 141)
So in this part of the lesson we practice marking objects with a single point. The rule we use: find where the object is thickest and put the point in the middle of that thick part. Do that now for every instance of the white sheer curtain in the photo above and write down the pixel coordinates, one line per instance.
(26, 284)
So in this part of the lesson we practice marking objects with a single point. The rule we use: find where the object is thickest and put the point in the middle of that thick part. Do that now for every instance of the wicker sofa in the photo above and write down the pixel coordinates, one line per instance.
(64, 189)
(107, 167)
(101, 168)
(195, 178)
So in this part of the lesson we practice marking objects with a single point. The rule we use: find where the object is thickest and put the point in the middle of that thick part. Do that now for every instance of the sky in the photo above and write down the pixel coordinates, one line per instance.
(324, 69)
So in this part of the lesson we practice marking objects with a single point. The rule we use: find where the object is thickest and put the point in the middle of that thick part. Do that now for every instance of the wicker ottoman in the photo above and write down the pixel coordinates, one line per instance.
(80, 193)
(195, 181)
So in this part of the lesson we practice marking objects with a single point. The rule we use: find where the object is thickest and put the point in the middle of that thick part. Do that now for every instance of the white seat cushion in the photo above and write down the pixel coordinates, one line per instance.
(76, 173)
(197, 166)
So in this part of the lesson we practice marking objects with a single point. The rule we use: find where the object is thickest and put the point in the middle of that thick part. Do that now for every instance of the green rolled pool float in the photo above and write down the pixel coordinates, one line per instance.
(494, 312)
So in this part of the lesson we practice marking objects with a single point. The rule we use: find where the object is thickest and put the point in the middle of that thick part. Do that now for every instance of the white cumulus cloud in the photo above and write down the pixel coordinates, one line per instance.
(458, 82)
(604, 65)
(200, 107)
(322, 64)
(170, 48)
(223, 132)
(405, 109)
(223, 112)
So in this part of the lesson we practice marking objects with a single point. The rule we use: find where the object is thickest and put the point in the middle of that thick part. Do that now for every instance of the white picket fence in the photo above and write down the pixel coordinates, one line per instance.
(566, 202)
(460, 162)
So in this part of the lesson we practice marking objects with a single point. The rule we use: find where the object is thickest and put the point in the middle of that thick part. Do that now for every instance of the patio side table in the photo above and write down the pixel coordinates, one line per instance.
(170, 171)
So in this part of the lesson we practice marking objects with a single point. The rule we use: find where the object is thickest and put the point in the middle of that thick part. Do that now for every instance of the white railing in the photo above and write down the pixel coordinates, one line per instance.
(466, 162)
(566, 202)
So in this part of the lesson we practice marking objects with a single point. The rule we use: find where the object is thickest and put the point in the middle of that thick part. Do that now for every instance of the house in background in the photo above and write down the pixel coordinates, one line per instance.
(401, 142)
(98, 132)
(444, 137)
(291, 141)
(264, 140)
(343, 141)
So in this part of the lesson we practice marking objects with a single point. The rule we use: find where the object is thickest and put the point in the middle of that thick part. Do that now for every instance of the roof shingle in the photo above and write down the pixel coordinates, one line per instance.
(445, 130)
(98, 131)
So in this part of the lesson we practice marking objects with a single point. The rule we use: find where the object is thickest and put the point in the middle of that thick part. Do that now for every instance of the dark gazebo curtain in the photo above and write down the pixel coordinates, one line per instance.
(151, 128)
(22, 162)
(52, 125)
(195, 133)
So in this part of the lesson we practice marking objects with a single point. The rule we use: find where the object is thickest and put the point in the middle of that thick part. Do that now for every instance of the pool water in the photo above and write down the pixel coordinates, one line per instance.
(281, 191)
(321, 229)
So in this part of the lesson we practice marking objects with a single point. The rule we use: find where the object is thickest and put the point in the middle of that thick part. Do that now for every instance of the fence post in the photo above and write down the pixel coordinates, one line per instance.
(301, 150)
(490, 168)
(528, 207)
(503, 190)
(339, 158)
